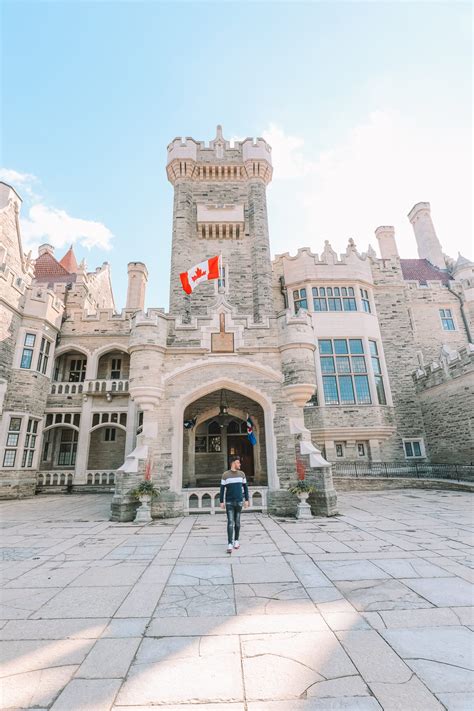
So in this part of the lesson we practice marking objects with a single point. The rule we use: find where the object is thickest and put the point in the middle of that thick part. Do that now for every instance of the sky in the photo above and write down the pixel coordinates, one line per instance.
(367, 106)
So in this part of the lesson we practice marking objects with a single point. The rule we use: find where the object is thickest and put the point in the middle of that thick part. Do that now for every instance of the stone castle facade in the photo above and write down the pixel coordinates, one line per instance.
(336, 358)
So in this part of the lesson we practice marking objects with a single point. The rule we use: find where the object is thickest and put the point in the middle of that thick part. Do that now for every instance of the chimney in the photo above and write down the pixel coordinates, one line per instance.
(45, 249)
(387, 243)
(428, 243)
(137, 279)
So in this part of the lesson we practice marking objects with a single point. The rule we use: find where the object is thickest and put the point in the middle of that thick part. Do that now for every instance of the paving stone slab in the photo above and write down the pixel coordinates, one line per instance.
(461, 701)
(88, 695)
(368, 595)
(265, 573)
(34, 689)
(285, 665)
(54, 629)
(109, 658)
(351, 570)
(373, 657)
(142, 600)
(126, 627)
(83, 602)
(431, 617)
(201, 574)
(273, 598)
(440, 677)
(443, 592)
(184, 672)
(18, 604)
(410, 695)
(196, 601)
(256, 624)
(450, 645)
(117, 575)
(345, 704)
(22, 656)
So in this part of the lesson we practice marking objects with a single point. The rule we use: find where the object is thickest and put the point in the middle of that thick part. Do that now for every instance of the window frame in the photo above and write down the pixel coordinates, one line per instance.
(340, 362)
(300, 301)
(444, 318)
(411, 441)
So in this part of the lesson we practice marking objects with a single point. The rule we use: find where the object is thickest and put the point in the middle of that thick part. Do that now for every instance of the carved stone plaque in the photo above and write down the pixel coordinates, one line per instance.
(222, 342)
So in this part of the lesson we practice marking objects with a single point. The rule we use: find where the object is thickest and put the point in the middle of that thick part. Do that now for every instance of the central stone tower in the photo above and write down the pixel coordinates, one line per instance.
(220, 208)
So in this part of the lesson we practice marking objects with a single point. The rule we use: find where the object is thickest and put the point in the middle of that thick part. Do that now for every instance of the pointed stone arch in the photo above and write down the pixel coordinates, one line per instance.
(211, 386)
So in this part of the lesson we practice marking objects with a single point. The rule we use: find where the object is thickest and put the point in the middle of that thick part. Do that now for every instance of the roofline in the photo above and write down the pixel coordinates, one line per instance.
(2, 182)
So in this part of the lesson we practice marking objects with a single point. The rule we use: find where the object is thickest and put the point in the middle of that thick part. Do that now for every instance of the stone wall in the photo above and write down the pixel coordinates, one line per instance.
(446, 395)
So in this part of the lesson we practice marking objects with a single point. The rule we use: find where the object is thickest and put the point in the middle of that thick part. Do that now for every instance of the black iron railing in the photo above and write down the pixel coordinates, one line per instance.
(419, 470)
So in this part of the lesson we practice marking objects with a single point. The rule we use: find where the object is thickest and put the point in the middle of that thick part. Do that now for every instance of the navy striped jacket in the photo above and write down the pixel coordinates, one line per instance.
(234, 487)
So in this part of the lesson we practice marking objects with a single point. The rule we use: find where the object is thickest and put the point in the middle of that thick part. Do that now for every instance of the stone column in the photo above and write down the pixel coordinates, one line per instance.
(83, 442)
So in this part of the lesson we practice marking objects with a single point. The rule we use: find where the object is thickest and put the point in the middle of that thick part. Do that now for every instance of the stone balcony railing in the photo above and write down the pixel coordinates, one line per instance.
(207, 500)
(89, 387)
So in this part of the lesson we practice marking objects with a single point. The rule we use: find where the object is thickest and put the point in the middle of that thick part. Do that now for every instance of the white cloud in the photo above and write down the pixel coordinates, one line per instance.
(47, 224)
(13, 176)
(373, 176)
(288, 158)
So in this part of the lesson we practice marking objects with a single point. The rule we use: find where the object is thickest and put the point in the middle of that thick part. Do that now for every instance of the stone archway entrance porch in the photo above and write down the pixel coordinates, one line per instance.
(215, 437)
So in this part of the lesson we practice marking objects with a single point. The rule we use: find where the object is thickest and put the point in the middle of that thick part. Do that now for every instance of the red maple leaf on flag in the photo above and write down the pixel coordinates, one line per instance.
(199, 273)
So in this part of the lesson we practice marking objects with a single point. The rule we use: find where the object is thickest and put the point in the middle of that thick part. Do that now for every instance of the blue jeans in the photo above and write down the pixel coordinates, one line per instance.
(233, 510)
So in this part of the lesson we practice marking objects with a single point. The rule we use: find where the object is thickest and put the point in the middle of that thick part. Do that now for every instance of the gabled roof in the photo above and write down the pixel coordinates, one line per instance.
(48, 269)
(69, 261)
(422, 270)
(462, 262)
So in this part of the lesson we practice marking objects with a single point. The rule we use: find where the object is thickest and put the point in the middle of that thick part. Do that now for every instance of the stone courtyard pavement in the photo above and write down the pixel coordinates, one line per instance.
(367, 610)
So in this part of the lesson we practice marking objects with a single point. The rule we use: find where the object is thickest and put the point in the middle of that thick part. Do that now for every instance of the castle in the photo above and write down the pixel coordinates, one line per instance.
(349, 358)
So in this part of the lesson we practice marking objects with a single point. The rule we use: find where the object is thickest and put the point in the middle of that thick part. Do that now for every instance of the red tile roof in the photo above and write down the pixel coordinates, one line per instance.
(422, 270)
(48, 269)
(69, 261)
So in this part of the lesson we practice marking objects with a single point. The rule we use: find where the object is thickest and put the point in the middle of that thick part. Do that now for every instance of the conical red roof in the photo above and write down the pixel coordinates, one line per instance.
(69, 261)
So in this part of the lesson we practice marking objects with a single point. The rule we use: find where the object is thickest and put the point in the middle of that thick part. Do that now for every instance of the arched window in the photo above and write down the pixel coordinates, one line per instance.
(214, 428)
(233, 427)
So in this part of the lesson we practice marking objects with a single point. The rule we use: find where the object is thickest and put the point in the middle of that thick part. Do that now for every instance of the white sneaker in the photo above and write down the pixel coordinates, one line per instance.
(236, 545)
(229, 548)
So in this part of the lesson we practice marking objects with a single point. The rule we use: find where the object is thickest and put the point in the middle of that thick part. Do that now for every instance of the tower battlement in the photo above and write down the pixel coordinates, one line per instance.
(219, 159)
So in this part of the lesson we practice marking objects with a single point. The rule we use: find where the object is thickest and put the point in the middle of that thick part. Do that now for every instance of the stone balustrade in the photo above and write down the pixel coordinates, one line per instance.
(207, 500)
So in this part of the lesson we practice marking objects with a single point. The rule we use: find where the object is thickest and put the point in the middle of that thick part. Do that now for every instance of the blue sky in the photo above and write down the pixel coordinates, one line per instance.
(367, 107)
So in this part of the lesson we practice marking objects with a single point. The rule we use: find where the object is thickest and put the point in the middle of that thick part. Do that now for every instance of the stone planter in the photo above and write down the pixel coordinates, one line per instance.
(303, 510)
(144, 511)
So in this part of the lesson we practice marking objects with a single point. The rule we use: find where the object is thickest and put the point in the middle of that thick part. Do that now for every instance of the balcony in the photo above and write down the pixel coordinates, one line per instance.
(90, 387)
(105, 387)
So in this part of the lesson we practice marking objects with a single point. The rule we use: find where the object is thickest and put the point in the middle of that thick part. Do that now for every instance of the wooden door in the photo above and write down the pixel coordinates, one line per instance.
(238, 445)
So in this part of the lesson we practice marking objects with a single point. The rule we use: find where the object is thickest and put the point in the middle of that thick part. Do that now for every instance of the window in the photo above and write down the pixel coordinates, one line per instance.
(300, 300)
(364, 295)
(339, 449)
(140, 423)
(67, 447)
(27, 354)
(30, 443)
(116, 369)
(344, 371)
(447, 321)
(413, 448)
(77, 370)
(334, 298)
(13, 435)
(43, 357)
(110, 434)
(221, 279)
(210, 440)
(361, 449)
(374, 356)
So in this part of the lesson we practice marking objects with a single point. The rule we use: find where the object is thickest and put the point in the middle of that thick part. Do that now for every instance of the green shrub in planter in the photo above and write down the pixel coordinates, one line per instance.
(145, 488)
(301, 487)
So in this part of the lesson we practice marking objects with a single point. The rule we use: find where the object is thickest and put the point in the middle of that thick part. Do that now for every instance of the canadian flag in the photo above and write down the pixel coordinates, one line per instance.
(201, 272)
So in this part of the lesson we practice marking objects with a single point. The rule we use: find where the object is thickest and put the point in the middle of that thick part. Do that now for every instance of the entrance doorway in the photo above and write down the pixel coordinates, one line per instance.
(220, 433)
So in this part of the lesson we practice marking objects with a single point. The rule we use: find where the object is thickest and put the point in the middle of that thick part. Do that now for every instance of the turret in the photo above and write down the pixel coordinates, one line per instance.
(137, 279)
(387, 244)
(428, 243)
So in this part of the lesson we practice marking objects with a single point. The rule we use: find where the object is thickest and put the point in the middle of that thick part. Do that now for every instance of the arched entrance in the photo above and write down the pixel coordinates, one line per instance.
(219, 433)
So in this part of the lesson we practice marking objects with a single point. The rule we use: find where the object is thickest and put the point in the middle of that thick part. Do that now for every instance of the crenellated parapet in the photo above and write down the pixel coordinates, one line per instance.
(219, 160)
(305, 265)
(451, 364)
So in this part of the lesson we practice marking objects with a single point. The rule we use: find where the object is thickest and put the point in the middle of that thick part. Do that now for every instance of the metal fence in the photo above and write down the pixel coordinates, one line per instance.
(417, 470)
